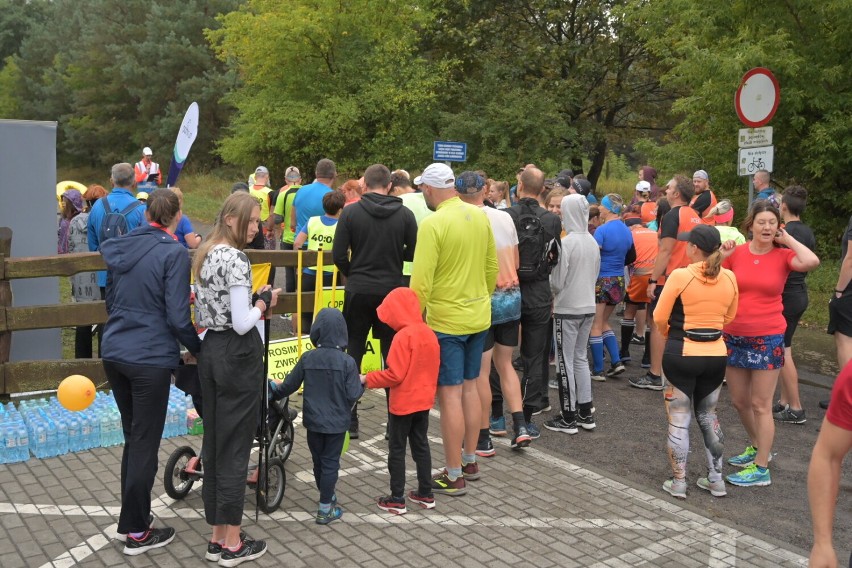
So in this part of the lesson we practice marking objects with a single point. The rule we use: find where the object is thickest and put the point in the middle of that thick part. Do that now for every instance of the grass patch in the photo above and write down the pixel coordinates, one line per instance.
(821, 283)
(203, 192)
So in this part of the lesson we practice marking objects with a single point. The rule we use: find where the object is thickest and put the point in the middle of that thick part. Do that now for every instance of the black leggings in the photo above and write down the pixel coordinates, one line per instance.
(230, 367)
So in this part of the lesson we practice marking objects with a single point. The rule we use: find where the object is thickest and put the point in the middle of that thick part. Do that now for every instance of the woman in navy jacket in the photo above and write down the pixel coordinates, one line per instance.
(147, 300)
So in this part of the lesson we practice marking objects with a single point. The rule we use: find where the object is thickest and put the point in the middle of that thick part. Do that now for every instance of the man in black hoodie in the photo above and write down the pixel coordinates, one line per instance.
(373, 238)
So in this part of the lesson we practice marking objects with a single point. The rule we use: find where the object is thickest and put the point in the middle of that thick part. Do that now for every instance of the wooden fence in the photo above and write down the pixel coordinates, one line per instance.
(26, 376)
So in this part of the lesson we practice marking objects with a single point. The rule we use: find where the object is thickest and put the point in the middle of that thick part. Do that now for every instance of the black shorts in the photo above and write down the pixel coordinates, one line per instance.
(503, 333)
(795, 304)
(840, 315)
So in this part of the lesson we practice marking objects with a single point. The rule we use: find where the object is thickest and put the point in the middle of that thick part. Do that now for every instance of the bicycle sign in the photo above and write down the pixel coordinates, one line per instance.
(752, 159)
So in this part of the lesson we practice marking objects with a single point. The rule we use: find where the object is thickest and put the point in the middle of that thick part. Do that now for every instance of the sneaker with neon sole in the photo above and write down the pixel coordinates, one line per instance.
(751, 476)
(441, 483)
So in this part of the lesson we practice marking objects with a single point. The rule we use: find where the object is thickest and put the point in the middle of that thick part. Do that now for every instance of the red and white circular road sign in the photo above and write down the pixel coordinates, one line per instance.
(757, 97)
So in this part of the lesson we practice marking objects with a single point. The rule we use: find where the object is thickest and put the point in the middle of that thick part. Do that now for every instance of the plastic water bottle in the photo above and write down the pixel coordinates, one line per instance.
(23, 442)
(4, 436)
(61, 436)
(39, 437)
(73, 434)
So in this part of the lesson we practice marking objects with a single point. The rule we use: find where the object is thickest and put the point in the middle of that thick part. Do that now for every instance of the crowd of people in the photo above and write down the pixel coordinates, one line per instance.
(540, 267)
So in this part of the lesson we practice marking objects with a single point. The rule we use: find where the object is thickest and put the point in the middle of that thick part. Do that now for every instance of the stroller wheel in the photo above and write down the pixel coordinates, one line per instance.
(177, 482)
(271, 495)
(282, 441)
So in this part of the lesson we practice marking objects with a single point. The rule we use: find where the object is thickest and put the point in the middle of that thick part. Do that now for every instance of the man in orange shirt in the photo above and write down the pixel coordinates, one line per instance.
(671, 255)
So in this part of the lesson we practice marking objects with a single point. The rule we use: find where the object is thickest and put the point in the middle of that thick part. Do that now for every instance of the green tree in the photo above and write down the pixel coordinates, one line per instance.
(547, 80)
(334, 79)
(118, 75)
(706, 46)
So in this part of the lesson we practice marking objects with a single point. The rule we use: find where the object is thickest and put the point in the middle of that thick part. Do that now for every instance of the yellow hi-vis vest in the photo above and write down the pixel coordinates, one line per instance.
(320, 237)
(262, 198)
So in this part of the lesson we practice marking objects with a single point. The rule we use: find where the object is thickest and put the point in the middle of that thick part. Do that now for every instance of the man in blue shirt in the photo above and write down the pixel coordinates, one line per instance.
(124, 183)
(308, 201)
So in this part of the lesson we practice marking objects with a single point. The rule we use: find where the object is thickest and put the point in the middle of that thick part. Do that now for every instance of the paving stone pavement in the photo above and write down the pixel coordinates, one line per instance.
(529, 507)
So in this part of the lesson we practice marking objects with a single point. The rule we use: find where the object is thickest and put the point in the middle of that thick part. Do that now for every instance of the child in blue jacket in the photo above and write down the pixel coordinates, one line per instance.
(332, 386)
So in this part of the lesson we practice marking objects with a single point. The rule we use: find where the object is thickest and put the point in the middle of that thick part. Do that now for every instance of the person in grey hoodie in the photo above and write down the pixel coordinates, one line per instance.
(573, 284)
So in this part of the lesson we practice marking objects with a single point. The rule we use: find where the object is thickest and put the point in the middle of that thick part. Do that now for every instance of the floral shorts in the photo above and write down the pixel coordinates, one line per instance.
(609, 290)
(760, 353)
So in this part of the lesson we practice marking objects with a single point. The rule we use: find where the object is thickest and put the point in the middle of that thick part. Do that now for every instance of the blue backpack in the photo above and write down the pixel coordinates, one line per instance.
(114, 223)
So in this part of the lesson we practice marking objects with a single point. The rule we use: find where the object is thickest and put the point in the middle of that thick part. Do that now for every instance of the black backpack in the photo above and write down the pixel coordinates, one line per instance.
(538, 251)
(114, 223)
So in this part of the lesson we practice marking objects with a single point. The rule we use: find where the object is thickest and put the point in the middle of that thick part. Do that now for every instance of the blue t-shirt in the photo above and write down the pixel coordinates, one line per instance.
(308, 202)
(615, 239)
(183, 229)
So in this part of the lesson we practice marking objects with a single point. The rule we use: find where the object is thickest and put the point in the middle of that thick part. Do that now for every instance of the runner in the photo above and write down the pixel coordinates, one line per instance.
(695, 304)
(505, 321)
(455, 271)
(573, 284)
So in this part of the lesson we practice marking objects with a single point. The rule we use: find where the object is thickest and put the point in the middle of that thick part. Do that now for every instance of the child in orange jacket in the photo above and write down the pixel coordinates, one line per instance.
(412, 375)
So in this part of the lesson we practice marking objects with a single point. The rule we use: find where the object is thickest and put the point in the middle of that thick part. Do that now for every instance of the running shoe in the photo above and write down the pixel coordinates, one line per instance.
(533, 431)
(744, 459)
(391, 504)
(485, 449)
(324, 518)
(518, 364)
(249, 550)
(497, 426)
(790, 416)
(616, 369)
(637, 340)
(778, 407)
(647, 381)
(558, 424)
(716, 488)
(751, 476)
(553, 384)
(675, 487)
(425, 501)
(441, 483)
(522, 439)
(214, 549)
(151, 539)
(598, 376)
(470, 471)
(586, 422)
(546, 408)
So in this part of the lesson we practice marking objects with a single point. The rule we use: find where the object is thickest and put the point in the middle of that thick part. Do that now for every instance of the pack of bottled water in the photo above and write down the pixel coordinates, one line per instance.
(176, 414)
(14, 438)
(46, 429)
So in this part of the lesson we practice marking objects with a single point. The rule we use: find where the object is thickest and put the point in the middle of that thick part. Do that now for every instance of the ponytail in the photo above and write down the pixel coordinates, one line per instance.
(713, 264)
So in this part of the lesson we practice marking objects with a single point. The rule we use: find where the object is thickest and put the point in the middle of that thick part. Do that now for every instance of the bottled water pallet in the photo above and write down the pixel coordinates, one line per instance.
(44, 428)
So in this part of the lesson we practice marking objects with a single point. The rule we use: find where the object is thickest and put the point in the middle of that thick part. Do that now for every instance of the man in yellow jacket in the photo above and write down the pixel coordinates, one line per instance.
(454, 274)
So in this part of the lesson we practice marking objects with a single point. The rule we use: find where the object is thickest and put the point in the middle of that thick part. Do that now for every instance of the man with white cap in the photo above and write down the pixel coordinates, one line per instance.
(704, 199)
(281, 218)
(147, 170)
(455, 272)
(261, 193)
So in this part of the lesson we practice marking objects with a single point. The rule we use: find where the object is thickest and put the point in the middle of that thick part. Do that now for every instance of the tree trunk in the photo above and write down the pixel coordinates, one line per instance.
(598, 157)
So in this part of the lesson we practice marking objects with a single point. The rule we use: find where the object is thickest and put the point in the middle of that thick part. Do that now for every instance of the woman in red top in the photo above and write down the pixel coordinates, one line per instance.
(755, 338)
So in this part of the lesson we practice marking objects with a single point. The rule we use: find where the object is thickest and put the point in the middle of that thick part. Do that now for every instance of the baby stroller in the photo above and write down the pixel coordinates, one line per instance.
(275, 435)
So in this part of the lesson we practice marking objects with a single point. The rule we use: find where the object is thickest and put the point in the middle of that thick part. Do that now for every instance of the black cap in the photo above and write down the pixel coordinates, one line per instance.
(469, 182)
(705, 237)
(582, 186)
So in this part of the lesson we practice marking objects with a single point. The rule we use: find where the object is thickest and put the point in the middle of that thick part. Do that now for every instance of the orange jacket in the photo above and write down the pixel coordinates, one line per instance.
(142, 172)
(414, 356)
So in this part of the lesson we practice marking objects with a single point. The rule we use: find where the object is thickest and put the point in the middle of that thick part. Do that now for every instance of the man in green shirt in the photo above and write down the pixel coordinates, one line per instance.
(281, 217)
(454, 274)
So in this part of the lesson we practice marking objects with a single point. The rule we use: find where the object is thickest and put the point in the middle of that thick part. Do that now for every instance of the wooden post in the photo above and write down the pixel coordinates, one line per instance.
(5, 302)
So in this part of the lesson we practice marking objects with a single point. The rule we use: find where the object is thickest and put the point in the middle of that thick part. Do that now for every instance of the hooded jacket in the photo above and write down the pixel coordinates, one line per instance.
(381, 234)
(330, 376)
(414, 357)
(573, 278)
(147, 300)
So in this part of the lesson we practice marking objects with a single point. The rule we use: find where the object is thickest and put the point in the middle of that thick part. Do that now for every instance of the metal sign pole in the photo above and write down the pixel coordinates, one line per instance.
(750, 190)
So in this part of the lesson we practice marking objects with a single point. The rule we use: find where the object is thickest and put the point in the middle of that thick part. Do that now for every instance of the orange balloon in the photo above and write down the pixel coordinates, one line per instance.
(76, 392)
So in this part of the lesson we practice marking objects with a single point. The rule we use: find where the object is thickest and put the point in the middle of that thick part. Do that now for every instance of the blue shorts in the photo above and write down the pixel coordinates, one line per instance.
(759, 353)
(461, 357)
